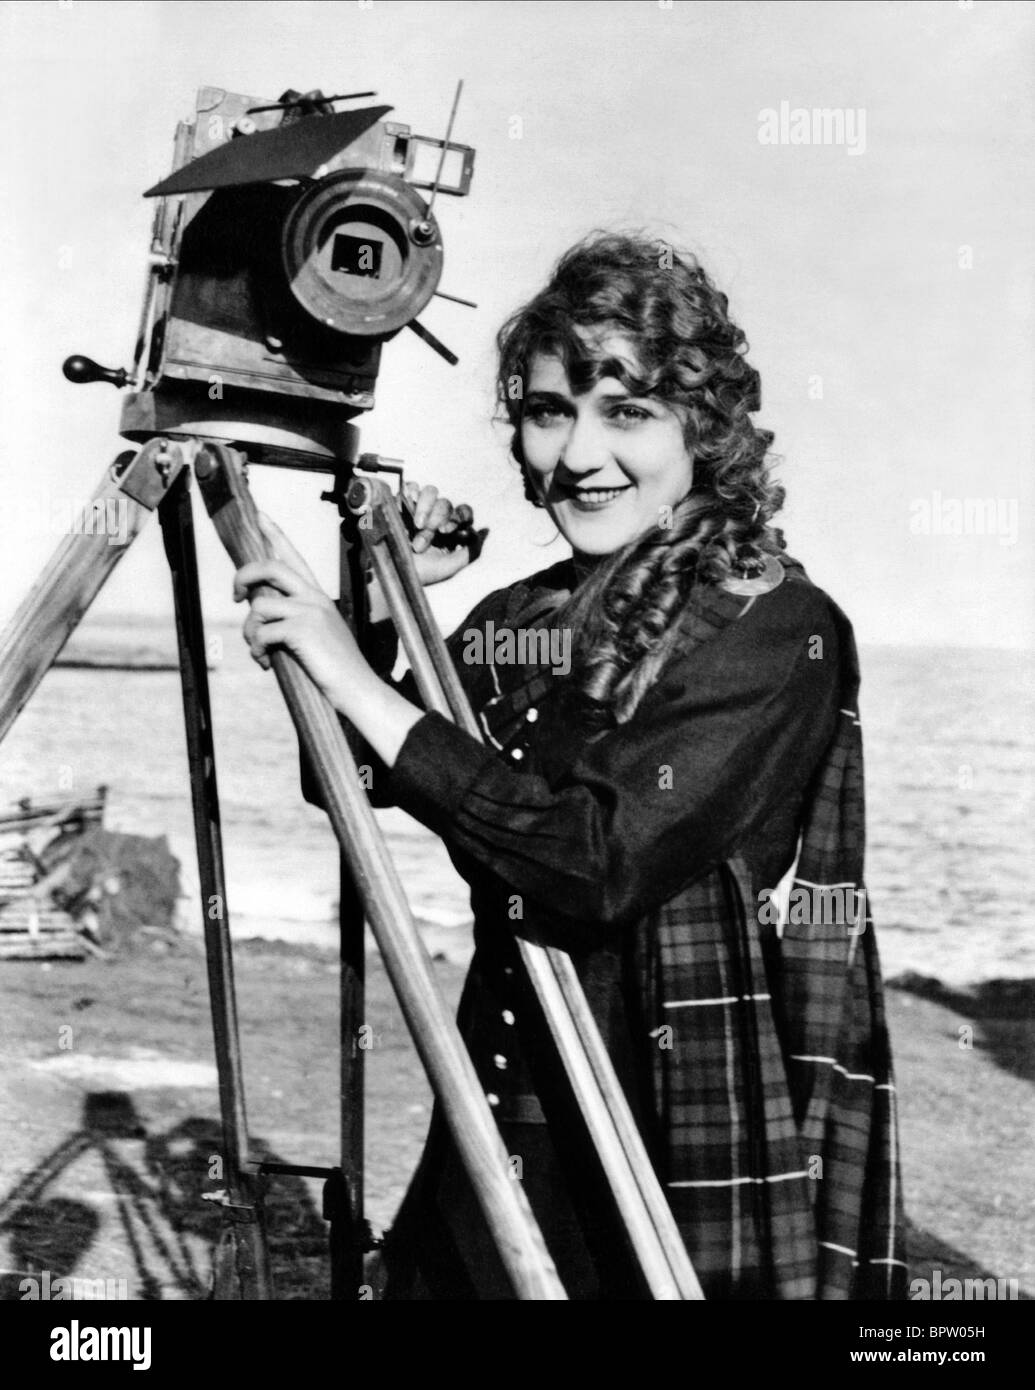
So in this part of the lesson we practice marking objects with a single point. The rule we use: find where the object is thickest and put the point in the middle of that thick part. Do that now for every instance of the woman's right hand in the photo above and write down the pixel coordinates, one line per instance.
(444, 539)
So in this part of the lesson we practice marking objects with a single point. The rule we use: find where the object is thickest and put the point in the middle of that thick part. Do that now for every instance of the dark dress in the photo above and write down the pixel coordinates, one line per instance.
(755, 1058)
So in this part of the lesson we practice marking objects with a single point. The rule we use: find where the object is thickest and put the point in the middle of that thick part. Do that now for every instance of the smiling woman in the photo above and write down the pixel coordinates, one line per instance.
(606, 464)
(635, 810)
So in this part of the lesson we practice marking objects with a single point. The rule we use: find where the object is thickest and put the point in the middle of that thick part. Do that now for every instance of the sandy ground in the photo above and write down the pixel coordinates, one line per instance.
(111, 1120)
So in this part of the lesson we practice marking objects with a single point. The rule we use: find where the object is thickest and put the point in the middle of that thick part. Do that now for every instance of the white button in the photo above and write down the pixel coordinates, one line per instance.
(508, 1017)
(516, 754)
(500, 1062)
(532, 715)
(492, 1098)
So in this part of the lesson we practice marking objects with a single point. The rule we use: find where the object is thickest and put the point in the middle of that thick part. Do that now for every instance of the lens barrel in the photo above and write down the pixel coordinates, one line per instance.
(361, 253)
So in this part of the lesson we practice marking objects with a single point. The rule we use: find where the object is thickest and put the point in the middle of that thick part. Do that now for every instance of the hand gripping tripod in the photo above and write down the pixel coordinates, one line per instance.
(158, 478)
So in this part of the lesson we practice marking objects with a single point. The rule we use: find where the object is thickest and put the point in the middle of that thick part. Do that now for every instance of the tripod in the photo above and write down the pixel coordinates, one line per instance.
(157, 478)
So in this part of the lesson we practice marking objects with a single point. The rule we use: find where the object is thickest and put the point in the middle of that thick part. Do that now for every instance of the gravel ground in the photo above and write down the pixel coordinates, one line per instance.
(111, 1120)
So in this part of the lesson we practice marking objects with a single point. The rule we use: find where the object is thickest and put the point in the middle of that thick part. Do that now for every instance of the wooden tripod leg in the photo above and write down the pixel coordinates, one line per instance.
(446, 1060)
(241, 1265)
(78, 569)
(343, 1192)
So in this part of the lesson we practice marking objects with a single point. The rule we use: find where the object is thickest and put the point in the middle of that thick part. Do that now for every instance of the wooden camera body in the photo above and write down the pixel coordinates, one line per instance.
(288, 244)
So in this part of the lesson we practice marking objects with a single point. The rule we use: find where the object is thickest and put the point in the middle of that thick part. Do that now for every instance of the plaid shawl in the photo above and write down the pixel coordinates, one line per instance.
(777, 1099)
(773, 1125)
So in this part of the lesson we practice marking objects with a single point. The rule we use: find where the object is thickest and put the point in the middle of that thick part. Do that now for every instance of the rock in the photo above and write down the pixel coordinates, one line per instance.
(124, 888)
(998, 998)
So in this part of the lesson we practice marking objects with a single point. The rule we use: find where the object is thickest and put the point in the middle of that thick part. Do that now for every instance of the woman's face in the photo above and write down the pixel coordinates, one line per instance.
(604, 463)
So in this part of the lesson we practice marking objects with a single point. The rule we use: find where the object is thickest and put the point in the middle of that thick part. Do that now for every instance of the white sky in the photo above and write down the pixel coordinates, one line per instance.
(839, 266)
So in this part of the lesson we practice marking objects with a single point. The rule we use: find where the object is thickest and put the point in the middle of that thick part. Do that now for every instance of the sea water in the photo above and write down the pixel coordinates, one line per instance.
(948, 737)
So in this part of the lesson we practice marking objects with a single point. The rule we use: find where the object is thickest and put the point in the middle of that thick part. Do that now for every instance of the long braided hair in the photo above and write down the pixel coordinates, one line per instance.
(690, 354)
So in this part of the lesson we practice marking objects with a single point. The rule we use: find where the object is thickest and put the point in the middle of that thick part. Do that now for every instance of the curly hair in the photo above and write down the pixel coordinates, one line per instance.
(691, 355)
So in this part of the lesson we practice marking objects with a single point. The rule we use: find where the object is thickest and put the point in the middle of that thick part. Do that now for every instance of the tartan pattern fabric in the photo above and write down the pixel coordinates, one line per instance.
(781, 1161)
(735, 1172)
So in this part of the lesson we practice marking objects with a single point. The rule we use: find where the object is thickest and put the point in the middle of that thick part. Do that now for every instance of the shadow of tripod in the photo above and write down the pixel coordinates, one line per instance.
(160, 1182)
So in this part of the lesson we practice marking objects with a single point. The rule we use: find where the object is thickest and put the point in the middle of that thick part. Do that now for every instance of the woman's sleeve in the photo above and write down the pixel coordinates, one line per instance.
(726, 735)
(382, 650)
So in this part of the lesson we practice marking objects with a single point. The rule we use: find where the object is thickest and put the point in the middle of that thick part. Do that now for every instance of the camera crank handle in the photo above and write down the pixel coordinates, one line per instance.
(80, 370)
(451, 540)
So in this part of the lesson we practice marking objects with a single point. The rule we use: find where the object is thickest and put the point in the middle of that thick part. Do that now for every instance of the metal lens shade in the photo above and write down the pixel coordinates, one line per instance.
(350, 258)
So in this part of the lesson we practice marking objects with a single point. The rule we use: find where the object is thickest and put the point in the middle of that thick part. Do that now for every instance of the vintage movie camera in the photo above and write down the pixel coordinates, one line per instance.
(289, 243)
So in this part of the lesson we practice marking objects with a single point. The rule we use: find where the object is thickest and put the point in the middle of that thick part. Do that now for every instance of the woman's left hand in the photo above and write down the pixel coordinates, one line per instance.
(299, 618)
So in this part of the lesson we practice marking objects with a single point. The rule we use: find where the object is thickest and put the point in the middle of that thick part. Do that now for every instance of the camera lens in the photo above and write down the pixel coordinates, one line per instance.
(349, 257)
